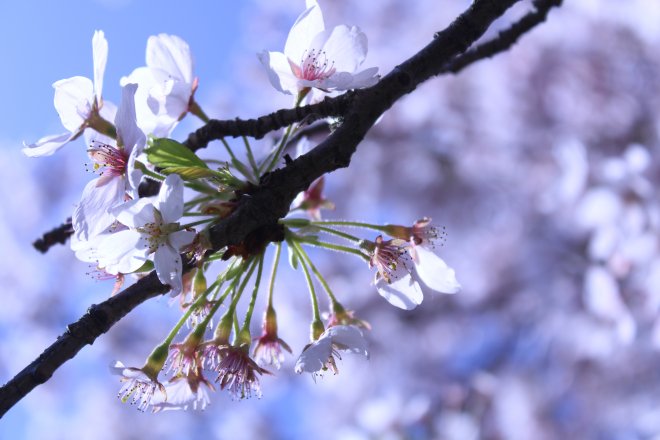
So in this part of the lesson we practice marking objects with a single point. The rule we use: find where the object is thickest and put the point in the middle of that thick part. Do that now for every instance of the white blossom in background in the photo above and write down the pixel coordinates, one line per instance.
(165, 85)
(316, 58)
(319, 355)
(153, 228)
(119, 179)
(79, 103)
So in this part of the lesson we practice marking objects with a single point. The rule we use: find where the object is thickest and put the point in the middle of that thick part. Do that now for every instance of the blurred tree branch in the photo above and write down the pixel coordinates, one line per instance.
(448, 53)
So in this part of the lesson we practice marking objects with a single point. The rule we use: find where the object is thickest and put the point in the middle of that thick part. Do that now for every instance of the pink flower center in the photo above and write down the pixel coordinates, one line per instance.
(386, 257)
(112, 159)
(315, 66)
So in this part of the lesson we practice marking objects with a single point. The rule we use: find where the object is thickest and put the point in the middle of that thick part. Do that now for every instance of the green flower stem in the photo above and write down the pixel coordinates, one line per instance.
(195, 214)
(198, 201)
(334, 247)
(319, 277)
(253, 163)
(147, 172)
(197, 223)
(253, 300)
(101, 125)
(280, 149)
(348, 223)
(196, 110)
(158, 356)
(338, 233)
(287, 133)
(310, 283)
(273, 273)
(222, 325)
(228, 318)
(234, 160)
(228, 148)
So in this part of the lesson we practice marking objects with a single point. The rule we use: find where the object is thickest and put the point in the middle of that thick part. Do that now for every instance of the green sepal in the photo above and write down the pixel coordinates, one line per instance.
(190, 173)
(148, 266)
(168, 153)
(293, 258)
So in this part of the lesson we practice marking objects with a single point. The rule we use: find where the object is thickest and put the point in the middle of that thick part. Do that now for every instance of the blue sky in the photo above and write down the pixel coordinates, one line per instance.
(44, 41)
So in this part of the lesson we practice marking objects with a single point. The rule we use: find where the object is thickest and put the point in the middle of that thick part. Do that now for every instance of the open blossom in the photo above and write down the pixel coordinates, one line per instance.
(79, 103)
(269, 347)
(153, 228)
(183, 392)
(166, 84)
(139, 384)
(119, 178)
(316, 58)
(237, 372)
(319, 355)
(394, 278)
(424, 241)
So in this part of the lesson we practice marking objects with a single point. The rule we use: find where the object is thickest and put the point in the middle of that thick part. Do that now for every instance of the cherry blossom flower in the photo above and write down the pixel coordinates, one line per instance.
(394, 277)
(184, 391)
(79, 103)
(432, 269)
(237, 372)
(140, 384)
(152, 229)
(268, 349)
(316, 58)
(319, 355)
(118, 179)
(166, 84)
(183, 358)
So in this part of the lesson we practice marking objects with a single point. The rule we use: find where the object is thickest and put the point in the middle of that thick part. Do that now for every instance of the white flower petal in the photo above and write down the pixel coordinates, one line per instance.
(133, 175)
(303, 31)
(314, 356)
(122, 252)
(73, 101)
(434, 272)
(91, 216)
(180, 239)
(346, 48)
(128, 132)
(170, 199)
(366, 78)
(403, 292)
(179, 395)
(279, 72)
(48, 145)
(135, 213)
(167, 262)
(349, 338)
(100, 57)
(172, 54)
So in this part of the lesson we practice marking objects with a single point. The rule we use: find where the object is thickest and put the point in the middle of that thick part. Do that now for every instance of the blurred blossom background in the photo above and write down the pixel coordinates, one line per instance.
(541, 163)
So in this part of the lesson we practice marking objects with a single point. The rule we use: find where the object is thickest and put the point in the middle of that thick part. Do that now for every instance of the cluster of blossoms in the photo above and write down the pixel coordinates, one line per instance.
(121, 232)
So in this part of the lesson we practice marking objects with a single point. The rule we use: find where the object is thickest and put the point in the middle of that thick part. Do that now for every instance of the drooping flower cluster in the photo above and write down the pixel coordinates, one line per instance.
(122, 230)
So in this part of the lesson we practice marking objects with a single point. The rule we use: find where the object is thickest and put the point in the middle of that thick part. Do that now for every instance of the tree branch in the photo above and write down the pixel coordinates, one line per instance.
(56, 235)
(271, 200)
(258, 128)
(98, 320)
